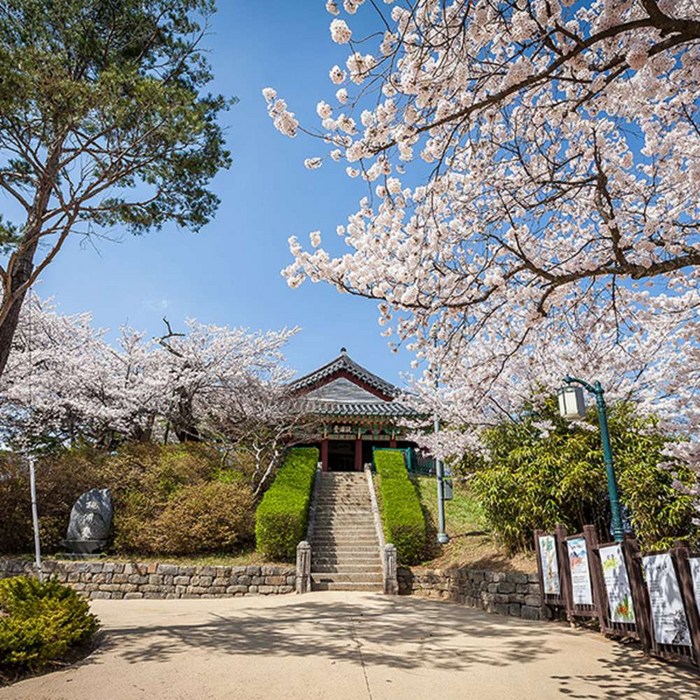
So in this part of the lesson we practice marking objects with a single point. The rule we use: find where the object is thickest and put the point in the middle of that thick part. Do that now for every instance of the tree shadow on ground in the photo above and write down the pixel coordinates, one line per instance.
(625, 676)
(404, 634)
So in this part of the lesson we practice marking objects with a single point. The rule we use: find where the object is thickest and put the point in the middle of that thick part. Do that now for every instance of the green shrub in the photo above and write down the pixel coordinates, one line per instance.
(534, 479)
(144, 478)
(213, 517)
(401, 510)
(280, 520)
(42, 622)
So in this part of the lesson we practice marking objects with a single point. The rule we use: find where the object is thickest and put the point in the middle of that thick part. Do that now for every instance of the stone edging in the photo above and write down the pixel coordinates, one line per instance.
(105, 579)
(504, 593)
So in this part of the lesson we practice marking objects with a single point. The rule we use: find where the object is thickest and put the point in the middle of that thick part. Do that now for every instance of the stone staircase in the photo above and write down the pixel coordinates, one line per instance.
(344, 546)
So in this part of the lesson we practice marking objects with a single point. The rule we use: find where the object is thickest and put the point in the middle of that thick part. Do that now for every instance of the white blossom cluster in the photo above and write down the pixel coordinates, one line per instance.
(555, 227)
(65, 382)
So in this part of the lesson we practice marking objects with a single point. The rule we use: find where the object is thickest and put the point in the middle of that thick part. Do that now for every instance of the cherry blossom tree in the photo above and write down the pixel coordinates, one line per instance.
(531, 171)
(65, 382)
(260, 420)
(210, 368)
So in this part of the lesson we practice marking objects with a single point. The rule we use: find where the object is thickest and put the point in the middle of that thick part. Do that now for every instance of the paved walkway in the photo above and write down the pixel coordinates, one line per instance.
(346, 646)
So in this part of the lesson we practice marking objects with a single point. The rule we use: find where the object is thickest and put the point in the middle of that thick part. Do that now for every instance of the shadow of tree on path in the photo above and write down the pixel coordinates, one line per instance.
(399, 633)
(625, 675)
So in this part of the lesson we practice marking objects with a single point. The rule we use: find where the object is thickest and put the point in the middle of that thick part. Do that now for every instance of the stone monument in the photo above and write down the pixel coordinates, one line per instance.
(90, 522)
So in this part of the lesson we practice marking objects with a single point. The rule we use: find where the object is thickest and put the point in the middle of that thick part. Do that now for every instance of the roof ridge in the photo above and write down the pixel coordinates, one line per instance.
(345, 362)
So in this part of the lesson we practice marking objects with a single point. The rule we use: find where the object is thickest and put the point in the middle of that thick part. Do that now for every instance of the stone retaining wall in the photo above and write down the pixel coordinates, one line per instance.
(105, 579)
(505, 593)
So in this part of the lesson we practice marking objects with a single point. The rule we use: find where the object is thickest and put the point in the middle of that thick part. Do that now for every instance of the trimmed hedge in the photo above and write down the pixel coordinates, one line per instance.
(42, 622)
(401, 510)
(280, 520)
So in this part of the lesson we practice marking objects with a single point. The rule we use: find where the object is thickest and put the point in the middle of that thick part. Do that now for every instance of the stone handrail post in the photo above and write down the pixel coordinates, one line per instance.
(303, 580)
(390, 565)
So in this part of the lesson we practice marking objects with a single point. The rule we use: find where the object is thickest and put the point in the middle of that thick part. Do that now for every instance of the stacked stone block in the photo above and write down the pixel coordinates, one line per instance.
(116, 580)
(505, 593)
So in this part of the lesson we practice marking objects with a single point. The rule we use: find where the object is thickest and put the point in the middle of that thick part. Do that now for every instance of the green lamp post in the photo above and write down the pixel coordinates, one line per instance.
(572, 405)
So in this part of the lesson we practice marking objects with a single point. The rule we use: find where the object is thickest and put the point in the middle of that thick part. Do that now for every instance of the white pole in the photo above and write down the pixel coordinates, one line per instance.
(35, 520)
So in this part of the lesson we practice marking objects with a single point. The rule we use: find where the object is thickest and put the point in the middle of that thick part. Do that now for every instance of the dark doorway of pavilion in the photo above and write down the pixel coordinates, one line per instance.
(341, 455)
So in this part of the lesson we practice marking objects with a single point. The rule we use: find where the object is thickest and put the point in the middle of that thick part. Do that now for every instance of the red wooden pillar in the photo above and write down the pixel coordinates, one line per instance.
(324, 455)
(358, 455)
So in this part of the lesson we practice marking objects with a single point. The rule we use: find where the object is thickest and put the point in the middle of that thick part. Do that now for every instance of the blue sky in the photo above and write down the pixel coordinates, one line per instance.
(229, 274)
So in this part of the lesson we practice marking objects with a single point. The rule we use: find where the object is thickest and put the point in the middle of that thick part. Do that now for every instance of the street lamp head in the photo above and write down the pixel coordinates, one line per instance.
(571, 402)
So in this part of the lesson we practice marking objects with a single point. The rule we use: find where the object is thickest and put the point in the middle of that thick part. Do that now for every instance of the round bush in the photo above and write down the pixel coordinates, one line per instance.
(213, 517)
(42, 622)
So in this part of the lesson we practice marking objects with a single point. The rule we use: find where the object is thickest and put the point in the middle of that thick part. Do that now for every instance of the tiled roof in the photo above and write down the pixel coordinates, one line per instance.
(384, 409)
(340, 364)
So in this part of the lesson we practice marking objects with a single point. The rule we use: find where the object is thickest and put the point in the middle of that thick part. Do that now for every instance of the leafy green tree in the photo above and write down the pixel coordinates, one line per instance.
(103, 124)
(541, 470)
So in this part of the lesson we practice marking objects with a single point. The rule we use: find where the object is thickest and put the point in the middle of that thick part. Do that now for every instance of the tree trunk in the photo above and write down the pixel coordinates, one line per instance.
(21, 262)
(23, 268)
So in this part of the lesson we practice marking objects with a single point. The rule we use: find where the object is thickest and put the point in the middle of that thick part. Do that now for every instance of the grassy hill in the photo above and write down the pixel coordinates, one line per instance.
(471, 543)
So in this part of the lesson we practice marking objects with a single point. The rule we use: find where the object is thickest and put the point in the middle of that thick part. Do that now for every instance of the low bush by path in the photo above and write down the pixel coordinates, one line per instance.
(40, 625)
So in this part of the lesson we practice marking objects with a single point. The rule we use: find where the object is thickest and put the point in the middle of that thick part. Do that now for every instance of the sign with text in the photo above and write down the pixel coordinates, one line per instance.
(617, 584)
(550, 564)
(580, 573)
(667, 609)
(695, 573)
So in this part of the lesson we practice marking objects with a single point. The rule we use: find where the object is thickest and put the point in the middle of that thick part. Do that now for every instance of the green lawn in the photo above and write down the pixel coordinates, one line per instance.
(471, 544)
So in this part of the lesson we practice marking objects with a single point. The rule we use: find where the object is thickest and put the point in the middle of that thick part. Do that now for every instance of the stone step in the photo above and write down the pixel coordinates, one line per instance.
(349, 550)
(322, 542)
(347, 565)
(344, 547)
(346, 568)
(360, 528)
(345, 557)
(344, 503)
(345, 506)
(361, 558)
(345, 535)
(330, 532)
(363, 577)
(368, 587)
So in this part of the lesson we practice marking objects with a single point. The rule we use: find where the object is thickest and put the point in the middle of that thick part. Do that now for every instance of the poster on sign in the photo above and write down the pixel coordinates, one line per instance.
(695, 572)
(667, 609)
(617, 584)
(550, 564)
(580, 576)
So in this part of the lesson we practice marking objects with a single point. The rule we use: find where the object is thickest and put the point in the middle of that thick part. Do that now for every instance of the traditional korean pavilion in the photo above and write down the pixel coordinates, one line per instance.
(358, 411)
